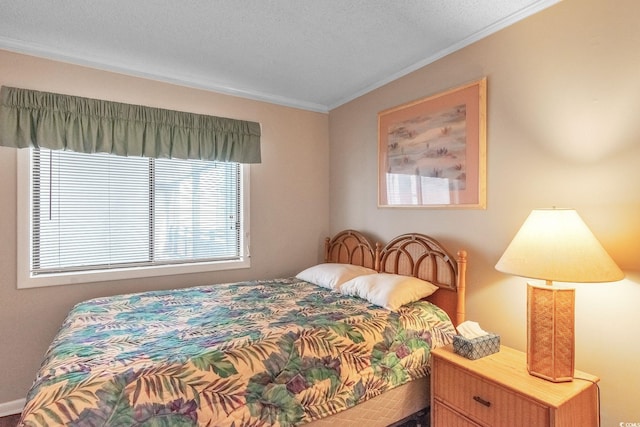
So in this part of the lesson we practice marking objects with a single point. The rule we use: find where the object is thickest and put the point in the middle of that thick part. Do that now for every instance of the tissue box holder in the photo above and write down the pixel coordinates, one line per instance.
(477, 347)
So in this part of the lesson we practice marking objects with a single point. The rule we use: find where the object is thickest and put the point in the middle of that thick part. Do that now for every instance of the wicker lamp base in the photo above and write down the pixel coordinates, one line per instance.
(550, 332)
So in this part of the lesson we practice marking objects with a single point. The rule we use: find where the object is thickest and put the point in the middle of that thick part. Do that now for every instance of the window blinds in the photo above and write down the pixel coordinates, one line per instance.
(102, 211)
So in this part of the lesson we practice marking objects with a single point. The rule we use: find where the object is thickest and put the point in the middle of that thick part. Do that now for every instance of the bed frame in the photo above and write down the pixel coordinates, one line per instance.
(410, 254)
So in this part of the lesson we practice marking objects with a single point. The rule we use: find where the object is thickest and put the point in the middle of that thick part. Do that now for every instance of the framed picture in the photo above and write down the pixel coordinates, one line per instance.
(432, 152)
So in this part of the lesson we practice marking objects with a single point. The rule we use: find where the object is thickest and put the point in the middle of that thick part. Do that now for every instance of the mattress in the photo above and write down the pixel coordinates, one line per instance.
(278, 352)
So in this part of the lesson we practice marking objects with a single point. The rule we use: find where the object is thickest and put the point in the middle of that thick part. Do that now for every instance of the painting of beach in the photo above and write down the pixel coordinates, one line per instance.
(431, 146)
(432, 151)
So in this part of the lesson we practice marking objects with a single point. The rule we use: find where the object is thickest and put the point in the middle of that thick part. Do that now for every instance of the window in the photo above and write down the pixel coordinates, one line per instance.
(104, 217)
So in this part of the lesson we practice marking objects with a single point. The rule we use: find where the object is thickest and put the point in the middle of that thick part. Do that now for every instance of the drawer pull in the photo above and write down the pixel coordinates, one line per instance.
(482, 401)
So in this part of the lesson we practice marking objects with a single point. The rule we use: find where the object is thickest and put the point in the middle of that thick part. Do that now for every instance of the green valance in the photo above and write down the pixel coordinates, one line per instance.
(31, 118)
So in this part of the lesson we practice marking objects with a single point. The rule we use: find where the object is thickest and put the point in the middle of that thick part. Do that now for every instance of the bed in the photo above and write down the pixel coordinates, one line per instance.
(278, 352)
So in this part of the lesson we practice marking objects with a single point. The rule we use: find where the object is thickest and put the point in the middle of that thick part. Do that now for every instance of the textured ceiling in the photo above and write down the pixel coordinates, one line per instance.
(310, 54)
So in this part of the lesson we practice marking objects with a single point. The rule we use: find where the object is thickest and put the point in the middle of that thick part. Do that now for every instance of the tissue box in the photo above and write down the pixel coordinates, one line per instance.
(477, 347)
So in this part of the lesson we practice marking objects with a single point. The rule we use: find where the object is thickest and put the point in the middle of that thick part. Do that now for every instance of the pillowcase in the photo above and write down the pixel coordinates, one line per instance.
(390, 291)
(332, 275)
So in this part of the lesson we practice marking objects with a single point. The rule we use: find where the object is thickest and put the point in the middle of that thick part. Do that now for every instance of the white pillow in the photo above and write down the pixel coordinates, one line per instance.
(332, 275)
(390, 291)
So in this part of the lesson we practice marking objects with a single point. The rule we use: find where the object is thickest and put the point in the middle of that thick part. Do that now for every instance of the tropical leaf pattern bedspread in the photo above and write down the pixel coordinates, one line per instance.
(260, 353)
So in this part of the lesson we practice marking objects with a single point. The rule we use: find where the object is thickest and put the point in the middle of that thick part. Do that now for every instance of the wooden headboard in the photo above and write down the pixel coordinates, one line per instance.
(351, 247)
(412, 254)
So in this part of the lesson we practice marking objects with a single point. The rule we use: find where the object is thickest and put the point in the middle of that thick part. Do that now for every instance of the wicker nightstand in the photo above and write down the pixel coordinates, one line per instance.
(497, 390)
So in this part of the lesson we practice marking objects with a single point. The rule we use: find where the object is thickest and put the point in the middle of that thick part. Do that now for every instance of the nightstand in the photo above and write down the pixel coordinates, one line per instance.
(497, 390)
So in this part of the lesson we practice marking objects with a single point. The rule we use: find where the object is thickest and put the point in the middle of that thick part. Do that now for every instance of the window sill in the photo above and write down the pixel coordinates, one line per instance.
(27, 281)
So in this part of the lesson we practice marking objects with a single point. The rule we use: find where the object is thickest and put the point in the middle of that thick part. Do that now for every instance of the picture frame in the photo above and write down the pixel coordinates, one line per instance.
(432, 151)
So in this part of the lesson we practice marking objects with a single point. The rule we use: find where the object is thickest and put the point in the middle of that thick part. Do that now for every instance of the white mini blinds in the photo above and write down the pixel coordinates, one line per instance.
(101, 212)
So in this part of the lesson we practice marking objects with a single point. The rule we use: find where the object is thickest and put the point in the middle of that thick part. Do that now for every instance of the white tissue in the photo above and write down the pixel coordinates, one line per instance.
(470, 330)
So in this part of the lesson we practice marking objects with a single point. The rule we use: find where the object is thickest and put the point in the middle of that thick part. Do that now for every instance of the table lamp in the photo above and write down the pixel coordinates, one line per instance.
(555, 245)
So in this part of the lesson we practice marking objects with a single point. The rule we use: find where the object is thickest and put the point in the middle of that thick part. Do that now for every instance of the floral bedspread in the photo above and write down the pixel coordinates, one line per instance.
(281, 352)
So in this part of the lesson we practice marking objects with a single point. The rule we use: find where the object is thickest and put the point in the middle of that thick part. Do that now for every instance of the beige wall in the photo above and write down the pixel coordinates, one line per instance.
(289, 203)
(563, 130)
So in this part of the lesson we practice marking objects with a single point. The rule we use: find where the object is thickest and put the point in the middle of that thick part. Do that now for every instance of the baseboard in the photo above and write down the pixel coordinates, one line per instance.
(12, 408)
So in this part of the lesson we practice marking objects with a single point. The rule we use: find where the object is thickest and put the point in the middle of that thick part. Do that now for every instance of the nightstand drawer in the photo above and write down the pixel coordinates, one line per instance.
(484, 401)
(444, 416)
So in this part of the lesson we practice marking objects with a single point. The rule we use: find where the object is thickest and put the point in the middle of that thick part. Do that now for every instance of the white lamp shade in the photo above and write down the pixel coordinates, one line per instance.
(556, 245)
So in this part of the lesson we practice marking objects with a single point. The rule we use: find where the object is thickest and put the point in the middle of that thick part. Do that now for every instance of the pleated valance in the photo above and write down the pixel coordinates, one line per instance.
(31, 118)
